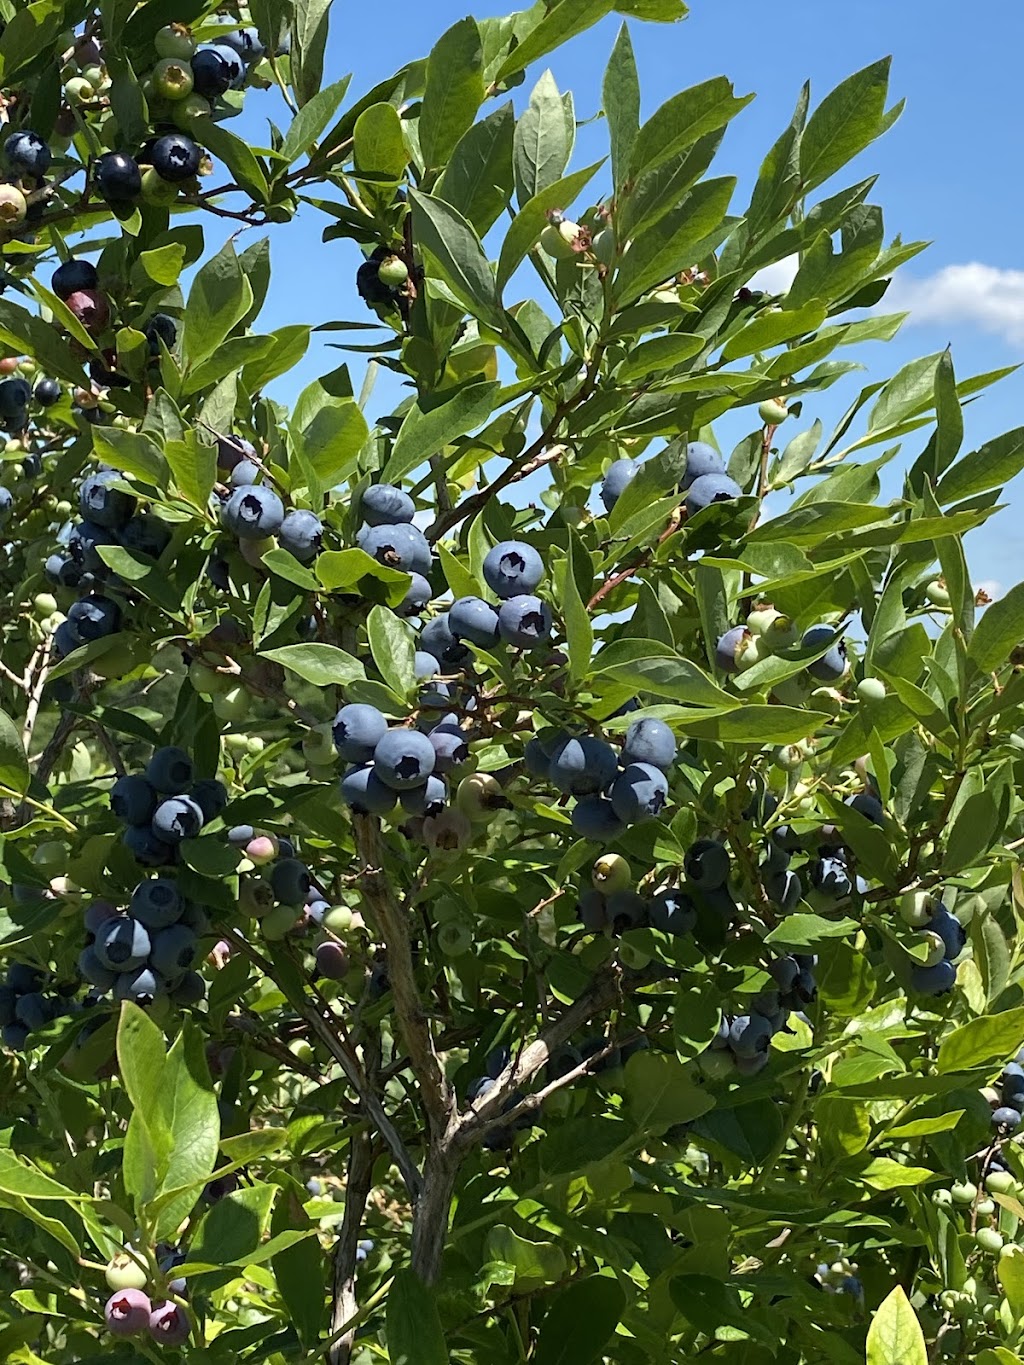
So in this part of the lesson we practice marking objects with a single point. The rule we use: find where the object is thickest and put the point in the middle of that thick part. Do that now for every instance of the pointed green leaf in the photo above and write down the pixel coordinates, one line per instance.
(895, 1336)
(424, 433)
(457, 255)
(981, 1041)
(544, 139)
(681, 120)
(622, 104)
(847, 120)
(454, 91)
(414, 1332)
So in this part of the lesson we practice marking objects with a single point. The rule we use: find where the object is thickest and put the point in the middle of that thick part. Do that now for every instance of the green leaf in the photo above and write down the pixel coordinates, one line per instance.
(847, 120)
(578, 629)
(755, 725)
(14, 771)
(544, 139)
(649, 667)
(773, 329)
(454, 91)
(885, 1173)
(239, 158)
(1011, 1276)
(477, 179)
(193, 467)
(309, 39)
(232, 1229)
(338, 570)
(413, 1330)
(460, 259)
(299, 1269)
(19, 1177)
(677, 240)
(801, 931)
(525, 229)
(331, 441)
(895, 1336)
(141, 1057)
(999, 632)
(189, 1103)
(219, 298)
(312, 119)
(580, 1322)
(560, 24)
(660, 1092)
(658, 356)
(621, 92)
(379, 143)
(980, 1041)
(681, 120)
(393, 649)
(290, 345)
(425, 432)
(163, 264)
(321, 665)
(27, 333)
(994, 464)
(28, 36)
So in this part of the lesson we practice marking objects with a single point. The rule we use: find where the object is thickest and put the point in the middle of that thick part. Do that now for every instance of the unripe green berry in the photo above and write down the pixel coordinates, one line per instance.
(338, 920)
(964, 1192)
(78, 90)
(773, 412)
(278, 923)
(12, 206)
(611, 873)
(989, 1240)
(44, 604)
(124, 1272)
(174, 40)
(172, 79)
(156, 190)
(559, 239)
(393, 272)
(187, 112)
(1001, 1182)
(937, 593)
(916, 908)
(871, 689)
(454, 938)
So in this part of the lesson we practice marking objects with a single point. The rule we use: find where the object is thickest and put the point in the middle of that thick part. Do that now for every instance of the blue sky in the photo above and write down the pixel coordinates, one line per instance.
(947, 172)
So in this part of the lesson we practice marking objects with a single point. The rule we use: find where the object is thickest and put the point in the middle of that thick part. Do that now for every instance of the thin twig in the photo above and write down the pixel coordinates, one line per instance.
(345, 1304)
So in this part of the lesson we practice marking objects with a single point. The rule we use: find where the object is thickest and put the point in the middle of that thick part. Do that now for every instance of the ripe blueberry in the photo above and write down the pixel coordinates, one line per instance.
(117, 177)
(701, 459)
(512, 569)
(404, 759)
(708, 489)
(617, 479)
(639, 793)
(253, 513)
(384, 505)
(175, 157)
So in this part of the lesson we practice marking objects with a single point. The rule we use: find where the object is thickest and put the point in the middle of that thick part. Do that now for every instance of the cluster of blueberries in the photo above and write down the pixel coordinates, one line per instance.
(165, 805)
(704, 482)
(743, 1041)
(25, 1006)
(147, 953)
(381, 280)
(129, 1311)
(252, 512)
(767, 631)
(946, 939)
(15, 396)
(278, 891)
(1006, 1116)
(612, 791)
(76, 283)
(840, 1278)
(109, 516)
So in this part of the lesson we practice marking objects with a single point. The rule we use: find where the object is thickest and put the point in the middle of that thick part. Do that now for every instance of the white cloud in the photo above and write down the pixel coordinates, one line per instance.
(776, 279)
(973, 295)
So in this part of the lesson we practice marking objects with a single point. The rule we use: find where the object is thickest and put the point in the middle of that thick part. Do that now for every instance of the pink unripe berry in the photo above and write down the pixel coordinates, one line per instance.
(262, 849)
(169, 1324)
(331, 961)
(127, 1312)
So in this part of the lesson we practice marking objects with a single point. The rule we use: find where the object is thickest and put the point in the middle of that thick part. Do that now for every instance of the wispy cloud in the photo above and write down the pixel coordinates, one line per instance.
(973, 294)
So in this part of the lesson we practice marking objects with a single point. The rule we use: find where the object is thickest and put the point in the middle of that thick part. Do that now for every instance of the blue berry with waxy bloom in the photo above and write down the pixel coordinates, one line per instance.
(27, 153)
(868, 805)
(384, 505)
(91, 969)
(143, 986)
(93, 617)
(210, 795)
(617, 479)
(640, 792)
(157, 903)
(934, 981)
(709, 489)
(122, 944)
(175, 157)
(626, 910)
(672, 912)
(417, 596)
(437, 639)
(1006, 1118)
(831, 875)
(14, 397)
(592, 910)
(357, 730)
(174, 950)
(176, 819)
(215, 68)
(950, 931)
(47, 392)
(253, 513)
(301, 534)
(363, 791)
(473, 619)
(74, 276)
(404, 759)
(650, 741)
(117, 177)
(583, 766)
(65, 641)
(524, 622)
(512, 569)
(102, 503)
(159, 328)
(133, 799)
(732, 648)
(400, 546)
(450, 748)
(170, 771)
(594, 818)
(146, 534)
(426, 800)
(707, 864)
(701, 459)
(750, 1035)
(783, 889)
(832, 664)
(289, 878)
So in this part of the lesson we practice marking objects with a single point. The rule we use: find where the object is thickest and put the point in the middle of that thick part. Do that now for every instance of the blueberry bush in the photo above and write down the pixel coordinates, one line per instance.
(506, 878)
